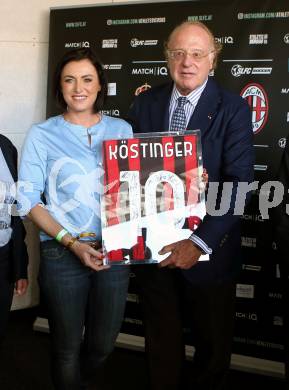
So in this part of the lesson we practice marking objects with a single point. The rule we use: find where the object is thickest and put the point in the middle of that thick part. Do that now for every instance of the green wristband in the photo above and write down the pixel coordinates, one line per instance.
(61, 234)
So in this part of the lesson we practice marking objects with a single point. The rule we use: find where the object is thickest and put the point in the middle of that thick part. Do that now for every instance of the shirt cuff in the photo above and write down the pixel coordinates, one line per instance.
(201, 244)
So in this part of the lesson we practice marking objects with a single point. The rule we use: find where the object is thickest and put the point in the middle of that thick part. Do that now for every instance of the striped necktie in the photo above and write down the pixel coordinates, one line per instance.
(179, 120)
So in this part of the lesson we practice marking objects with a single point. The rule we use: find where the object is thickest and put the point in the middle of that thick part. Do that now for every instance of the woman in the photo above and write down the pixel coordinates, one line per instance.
(13, 253)
(62, 159)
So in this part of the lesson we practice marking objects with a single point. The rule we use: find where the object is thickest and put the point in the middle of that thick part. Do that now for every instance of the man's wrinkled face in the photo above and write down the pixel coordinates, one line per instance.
(190, 57)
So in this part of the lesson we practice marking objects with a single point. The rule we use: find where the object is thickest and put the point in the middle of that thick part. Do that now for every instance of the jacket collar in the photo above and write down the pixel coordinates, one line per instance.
(206, 108)
(160, 108)
(8, 154)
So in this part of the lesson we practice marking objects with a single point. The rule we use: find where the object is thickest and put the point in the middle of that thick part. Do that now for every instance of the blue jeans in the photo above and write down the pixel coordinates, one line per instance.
(79, 298)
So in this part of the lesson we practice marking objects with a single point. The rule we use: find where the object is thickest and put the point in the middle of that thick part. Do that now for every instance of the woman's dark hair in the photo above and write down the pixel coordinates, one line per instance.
(78, 55)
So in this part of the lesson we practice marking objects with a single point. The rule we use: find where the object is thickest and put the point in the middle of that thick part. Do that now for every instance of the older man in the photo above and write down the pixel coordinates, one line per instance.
(195, 101)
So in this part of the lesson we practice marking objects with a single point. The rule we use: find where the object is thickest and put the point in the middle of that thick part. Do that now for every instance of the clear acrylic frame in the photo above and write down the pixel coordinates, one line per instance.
(153, 194)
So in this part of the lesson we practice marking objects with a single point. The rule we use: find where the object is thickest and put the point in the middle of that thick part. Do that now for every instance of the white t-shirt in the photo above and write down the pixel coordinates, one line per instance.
(6, 199)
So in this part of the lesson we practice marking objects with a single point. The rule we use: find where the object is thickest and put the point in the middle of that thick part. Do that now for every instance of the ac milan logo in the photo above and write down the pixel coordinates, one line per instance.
(142, 88)
(258, 101)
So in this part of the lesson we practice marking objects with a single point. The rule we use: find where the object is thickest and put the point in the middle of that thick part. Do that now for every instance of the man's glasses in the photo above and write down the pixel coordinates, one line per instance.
(180, 54)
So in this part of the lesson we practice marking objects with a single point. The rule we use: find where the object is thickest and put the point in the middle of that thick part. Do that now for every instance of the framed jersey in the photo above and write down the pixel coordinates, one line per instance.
(153, 194)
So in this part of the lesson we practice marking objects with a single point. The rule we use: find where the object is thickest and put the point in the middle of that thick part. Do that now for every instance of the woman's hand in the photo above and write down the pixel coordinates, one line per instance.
(89, 256)
(21, 287)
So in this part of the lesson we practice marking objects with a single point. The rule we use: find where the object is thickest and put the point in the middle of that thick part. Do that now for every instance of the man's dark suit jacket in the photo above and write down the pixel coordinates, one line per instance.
(19, 257)
(224, 119)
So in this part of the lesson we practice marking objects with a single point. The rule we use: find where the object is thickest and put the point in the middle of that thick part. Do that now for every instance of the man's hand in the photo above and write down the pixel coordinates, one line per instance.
(184, 254)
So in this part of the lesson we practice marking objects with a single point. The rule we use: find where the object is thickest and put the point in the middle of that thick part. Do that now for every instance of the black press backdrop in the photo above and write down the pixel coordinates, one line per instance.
(255, 64)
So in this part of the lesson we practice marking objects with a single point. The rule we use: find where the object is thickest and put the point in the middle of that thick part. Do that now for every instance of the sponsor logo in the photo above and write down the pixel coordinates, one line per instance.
(258, 101)
(75, 24)
(285, 90)
(77, 44)
(258, 39)
(112, 67)
(286, 38)
(225, 40)
(111, 112)
(282, 143)
(155, 71)
(245, 291)
(134, 321)
(262, 70)
(249, 242)
(142, 88)
(109, 43)
(132, 298)
(113, 22)
(259, 343)
(275, 295)
(250, 267)
(196, 18)
(264, 15)
(138, 42)
(252, 217)
(238, 70)
(111, 89)
(247, 316)
(277, 321)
